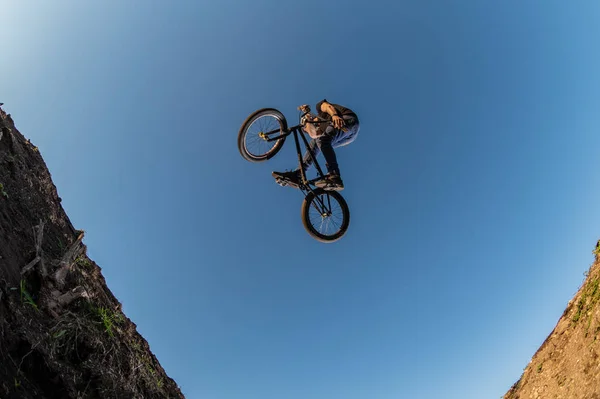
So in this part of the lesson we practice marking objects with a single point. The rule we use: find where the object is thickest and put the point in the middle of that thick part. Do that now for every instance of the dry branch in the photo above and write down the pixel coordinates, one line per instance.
(67, 260)
(38, 236)
(75, 293)
(38, 248)
(30, 265)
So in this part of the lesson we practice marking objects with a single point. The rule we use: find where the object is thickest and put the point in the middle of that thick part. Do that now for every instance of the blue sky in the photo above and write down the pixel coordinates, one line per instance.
(472, 184)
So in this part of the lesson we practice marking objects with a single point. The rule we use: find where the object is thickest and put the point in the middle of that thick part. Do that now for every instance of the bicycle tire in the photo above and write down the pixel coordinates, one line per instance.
(306, 219)
(243, 133)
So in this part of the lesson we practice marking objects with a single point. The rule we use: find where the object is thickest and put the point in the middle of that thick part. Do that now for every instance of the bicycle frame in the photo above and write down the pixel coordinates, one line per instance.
(297, 131)
(320, 200)
(305, 187)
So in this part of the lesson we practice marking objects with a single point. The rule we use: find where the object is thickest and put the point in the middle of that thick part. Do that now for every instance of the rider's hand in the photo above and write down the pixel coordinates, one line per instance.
(338, 122)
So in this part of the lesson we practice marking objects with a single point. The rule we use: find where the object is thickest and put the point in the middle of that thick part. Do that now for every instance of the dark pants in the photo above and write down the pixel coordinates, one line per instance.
(330, 139)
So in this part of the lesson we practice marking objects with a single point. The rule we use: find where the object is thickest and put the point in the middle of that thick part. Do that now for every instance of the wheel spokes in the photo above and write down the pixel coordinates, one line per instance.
(326, 215)
(255, 140)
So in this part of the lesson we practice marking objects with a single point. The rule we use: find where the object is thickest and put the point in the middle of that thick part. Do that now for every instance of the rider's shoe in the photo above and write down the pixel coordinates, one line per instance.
(291, 178)
(331, 182)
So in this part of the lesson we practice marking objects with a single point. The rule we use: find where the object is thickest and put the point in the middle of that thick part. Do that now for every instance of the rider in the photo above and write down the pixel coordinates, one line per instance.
(341, 129)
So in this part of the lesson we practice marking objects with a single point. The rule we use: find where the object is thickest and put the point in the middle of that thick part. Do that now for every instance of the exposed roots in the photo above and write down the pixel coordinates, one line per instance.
(76, 249)
(38, 237)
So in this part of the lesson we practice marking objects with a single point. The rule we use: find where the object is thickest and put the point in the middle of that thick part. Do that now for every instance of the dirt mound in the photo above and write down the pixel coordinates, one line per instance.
(567, 364)
(62, 332)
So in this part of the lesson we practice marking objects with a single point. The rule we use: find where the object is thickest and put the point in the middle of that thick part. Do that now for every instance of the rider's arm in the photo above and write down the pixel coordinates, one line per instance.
(337, 120)
(326, 107)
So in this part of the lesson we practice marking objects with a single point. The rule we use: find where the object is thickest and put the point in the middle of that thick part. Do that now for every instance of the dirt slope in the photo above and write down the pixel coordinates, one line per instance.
(567, 365)
(62, 332)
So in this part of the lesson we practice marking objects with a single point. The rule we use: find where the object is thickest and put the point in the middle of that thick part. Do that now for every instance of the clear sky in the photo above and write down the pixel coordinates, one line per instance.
(473, 184)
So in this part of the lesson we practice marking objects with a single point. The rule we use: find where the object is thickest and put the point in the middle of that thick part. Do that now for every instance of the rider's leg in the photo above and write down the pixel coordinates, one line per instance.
(325, 145)
(332, 138)
(330, 141)
(332, 180)
(307, 160)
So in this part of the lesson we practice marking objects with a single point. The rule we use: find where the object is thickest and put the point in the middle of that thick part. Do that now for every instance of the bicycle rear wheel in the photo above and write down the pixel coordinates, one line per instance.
(257, 138)
(325, 215)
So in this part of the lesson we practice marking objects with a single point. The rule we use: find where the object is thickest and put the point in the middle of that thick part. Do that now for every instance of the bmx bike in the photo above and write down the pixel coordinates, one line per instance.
(325, 214)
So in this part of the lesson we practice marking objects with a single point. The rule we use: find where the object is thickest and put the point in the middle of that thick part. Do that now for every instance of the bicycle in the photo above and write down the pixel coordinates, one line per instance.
(319, 205)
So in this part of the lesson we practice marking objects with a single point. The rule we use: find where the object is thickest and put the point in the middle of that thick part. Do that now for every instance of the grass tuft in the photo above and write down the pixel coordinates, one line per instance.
(109, 319)
(26, 296)
(83, 262)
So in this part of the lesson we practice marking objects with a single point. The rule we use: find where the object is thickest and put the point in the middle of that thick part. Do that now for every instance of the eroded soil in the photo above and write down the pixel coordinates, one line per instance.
(62, 332)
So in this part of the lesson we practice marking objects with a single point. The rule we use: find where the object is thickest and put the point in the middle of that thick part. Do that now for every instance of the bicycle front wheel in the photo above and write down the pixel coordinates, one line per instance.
(258, 137)
(325, 215)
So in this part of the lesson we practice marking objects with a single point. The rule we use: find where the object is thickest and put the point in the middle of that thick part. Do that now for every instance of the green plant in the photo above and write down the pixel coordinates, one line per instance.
(539, 368)
(59, 334)
(109, 319)
(150, 369)
(83, 262)
(589, 298)
(4, 194)
(26, 296)
(596, 250)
